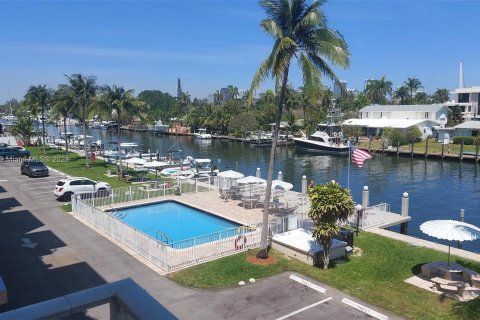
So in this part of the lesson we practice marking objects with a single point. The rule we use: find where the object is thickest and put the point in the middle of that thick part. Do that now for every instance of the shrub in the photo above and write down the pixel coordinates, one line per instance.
(470, 141)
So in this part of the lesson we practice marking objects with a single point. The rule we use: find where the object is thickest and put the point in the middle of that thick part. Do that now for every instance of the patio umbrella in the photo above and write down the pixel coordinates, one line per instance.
(250, 180)
(228, 178)
(281, 185)
(450, 230)
(230, 174)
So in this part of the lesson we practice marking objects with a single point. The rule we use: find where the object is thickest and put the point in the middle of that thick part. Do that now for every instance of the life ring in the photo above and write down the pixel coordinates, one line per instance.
(340, 134)
(240, 242)
(334, 134)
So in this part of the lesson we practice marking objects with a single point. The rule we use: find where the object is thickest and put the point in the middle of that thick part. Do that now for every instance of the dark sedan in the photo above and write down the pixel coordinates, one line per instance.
(34, 168)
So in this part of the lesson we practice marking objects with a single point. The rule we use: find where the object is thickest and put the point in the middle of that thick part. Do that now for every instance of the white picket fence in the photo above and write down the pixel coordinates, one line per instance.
(174, 255)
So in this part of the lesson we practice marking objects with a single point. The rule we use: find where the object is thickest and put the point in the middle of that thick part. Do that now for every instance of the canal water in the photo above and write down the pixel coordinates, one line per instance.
(437, 189)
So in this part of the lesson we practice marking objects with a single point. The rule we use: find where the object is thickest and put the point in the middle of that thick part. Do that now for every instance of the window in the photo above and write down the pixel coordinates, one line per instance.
(427, 115)
(463, 97)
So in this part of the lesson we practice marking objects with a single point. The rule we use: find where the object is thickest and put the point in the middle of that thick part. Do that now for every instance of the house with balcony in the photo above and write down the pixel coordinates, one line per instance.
(434, 112)
(467, 99)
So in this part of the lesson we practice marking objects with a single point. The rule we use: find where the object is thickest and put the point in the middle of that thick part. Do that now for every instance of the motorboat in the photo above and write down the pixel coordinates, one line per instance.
(326, 138)
(202, 134)
(159, 127)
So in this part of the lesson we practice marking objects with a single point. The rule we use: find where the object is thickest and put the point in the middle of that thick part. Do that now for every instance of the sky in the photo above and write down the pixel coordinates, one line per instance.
(148, 45)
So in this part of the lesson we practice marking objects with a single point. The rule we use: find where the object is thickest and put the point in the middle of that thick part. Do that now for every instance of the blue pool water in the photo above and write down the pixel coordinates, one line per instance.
(178, 221)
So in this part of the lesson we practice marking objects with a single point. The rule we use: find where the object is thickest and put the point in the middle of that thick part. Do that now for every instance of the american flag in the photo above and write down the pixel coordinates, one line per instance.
(358, 156)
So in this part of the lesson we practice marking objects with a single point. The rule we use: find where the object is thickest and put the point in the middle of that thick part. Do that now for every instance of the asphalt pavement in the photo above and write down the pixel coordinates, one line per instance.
(46, 253)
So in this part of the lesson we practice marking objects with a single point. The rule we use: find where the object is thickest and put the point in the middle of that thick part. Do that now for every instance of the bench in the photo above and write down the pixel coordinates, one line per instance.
(471, 277)
(448, 286)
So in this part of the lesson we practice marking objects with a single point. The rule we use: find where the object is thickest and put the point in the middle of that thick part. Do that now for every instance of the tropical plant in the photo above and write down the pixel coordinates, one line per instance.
(217, 97)
(441, 96)
(83, 89)
(413, 135)
(402, 94)
(122, 105)
(422, 98)
(184, 100)
(413, 84)
(299, 30)
(232, 92)
(63, 103)
(330, 205)
(352, 131)
(378, 90)
(242, 123)
(395, 136)
(37, 97)
(22, 127)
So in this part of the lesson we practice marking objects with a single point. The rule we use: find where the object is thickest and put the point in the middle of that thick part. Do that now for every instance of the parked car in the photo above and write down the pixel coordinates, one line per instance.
(65, 188)
(34, 168)
(11, 152)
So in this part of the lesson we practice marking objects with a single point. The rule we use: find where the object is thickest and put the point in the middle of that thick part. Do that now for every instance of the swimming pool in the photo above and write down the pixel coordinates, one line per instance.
(171, 221)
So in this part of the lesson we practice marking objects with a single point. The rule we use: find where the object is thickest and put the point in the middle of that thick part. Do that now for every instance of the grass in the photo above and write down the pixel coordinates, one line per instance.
(419, 147)
(377, 276)
(73, 164)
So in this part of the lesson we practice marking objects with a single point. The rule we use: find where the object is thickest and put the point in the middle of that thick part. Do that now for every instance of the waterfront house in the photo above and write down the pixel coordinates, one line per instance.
(375, 127)
(467, 129)
(467, 99)
(434, 112)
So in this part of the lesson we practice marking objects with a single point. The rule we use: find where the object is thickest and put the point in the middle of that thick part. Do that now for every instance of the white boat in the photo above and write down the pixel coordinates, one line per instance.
(159, 127)
(202, 134)
(326, 138)
(176, 171)
(202, 166)
(10, 118)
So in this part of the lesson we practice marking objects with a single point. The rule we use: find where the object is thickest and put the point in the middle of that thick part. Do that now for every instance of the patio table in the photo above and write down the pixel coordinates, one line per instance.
(448, 269)
(251, 200)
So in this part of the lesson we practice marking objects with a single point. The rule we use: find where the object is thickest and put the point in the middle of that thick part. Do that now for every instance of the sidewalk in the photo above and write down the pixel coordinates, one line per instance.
(424, 243)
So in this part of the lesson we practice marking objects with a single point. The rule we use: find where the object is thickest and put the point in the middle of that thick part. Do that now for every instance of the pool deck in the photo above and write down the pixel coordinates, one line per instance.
(210, 201)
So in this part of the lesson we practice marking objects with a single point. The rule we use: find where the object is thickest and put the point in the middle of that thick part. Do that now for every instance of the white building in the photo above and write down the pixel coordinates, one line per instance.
(375, 127)
(467, 99)
(467, 129)
(434, 112)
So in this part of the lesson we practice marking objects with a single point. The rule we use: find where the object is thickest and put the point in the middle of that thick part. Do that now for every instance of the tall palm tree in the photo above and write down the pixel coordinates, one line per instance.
(378, 90)
(84, 90)
(63, 103)
(402, 94)
(232, 92)
(441, 96)
(217, 97)
(299, 30)
(123, 105)
(38, 98)
(413, 84)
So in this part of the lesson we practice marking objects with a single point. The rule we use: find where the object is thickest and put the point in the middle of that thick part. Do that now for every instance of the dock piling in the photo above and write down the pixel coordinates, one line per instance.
(304, 184)
(365, 197)
(405, 202)
(258, 173)
(462, 218)
(280, 175)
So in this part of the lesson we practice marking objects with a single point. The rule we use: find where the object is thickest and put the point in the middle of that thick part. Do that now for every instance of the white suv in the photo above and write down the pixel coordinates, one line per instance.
(65, 188)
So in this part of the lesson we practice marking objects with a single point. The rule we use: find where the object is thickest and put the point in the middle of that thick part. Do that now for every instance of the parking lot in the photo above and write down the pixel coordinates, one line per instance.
(49, 253)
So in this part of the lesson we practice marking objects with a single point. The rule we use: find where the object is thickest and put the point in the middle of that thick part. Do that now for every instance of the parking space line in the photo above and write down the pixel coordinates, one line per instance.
(364, 309)
(44, 192)
(308, 284)
(304, 308)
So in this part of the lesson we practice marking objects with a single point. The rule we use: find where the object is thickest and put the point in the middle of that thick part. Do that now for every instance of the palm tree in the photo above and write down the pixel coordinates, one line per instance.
(232, 92)
(422, 98)
(217, 97)
(63, 103)
(330, 204)
(413, 84)
(122, 105)
(38, 97)
(441, 96)
(378, 90)
(402, 94)
(84, 89)
(184, 99)
(299, 30)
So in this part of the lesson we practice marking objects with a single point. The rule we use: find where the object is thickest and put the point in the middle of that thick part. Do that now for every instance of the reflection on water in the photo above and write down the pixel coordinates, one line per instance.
(437, 189)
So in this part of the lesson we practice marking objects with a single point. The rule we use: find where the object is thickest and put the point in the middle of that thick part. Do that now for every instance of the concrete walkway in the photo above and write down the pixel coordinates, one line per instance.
(424, 243)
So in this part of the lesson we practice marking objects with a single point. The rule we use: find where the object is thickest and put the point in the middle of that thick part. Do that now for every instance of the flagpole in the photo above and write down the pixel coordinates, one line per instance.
(349, 160)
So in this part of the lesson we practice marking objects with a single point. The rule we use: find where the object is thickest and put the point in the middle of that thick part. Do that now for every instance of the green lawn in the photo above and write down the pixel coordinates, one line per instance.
(419, 147)
(73, 164)
(376, 277)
